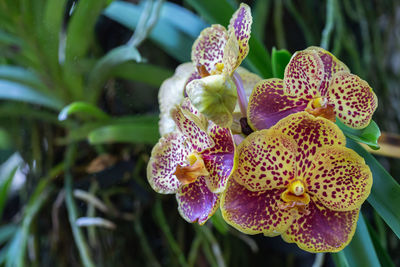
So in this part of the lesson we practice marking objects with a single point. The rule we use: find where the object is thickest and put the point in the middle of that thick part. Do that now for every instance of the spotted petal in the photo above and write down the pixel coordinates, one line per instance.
(332, 65)
(354, 99)
(231, 53)
(196, 203)
(266, 161)
(255, 212)
(240, 24)
(322, 230)
(171, 150)
(339, 178)
(171, 94)
(304, 74)
(192, 128)
(309, 133)
(208, 49)
(269, 104)
(219, 160)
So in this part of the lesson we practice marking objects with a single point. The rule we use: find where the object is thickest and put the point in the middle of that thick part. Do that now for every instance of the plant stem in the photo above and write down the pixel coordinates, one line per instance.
(72, 210)
(241, 93)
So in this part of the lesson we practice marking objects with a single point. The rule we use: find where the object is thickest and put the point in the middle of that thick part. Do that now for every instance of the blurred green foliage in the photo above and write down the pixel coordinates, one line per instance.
(77, 113)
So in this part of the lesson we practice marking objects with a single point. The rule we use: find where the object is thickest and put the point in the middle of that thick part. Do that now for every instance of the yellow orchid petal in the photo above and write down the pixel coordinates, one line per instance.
(339, 178)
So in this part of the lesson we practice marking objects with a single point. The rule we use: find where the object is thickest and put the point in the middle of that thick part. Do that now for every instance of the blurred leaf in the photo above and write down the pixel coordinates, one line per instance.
(141, 72)
(143, 130)
(385, 192)
(18, 92)
(6, 232)
(5, 185)
(220, 12)
(369, 135)
(382, 253)
(280, 58)
(360, 251)
(104, 67)
(169, 37)
(80, 31)
(20, 75)
(340, 259)
(260, 16)
(5, 140)
(84, 110)
(219, 223)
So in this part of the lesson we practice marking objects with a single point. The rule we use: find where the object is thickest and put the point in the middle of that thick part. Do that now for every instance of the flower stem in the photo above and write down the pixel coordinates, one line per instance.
(241, 93)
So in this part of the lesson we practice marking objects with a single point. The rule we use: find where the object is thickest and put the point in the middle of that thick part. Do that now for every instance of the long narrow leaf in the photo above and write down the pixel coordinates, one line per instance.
(104, 67)
(84, 110)
(360, 251)
(4, 188)
(18, 92)
(385, 193)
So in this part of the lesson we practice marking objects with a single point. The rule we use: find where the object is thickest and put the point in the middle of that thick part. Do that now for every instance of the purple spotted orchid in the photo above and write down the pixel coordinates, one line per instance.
(216, 54)
(298, 180)
(195, 163)
(317, 82)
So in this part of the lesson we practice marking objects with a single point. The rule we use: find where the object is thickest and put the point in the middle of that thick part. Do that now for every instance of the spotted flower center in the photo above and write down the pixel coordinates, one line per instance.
(321, 107)
(194, 169)
(295, 196)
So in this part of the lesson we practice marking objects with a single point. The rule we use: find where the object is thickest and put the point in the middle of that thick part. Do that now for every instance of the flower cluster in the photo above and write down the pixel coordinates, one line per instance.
(293, 175)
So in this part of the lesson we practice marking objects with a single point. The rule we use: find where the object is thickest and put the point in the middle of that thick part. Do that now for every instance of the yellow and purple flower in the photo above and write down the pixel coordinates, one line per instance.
(297, 179)
(317, 82)
(217, 53)
(194, 163)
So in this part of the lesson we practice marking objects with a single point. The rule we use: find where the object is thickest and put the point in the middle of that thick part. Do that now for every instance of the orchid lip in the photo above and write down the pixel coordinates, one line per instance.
(195, 168)
(295, 196)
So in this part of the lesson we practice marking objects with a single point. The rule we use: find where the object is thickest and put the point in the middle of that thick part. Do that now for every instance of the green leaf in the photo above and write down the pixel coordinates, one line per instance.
(340, 259)
(141, 72)
(220, 12)
(369, 135)
(80, 31)
(219, 223)
(83, 110)
(385, 192)
(143, 130)
(6, 232)
(360, 251)
(5, 185)
(5, 140)
(382, 253)
(21, 75)
(18, 92)
(260, 12)
(104, 67)
(173, 38)
(279, 58)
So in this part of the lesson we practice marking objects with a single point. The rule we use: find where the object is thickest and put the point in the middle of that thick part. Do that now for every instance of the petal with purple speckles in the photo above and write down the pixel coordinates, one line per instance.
(220, 159)
(309, 133)
(269, 104)
(231, 53)
(266, 161)
(196, 203)
(240, 24)
(353, 98)
(208, 49)
(322, 230)
(193, 128)
(339, 178)
(255, 212)
(171, 150)
(332, 65)
(304, 74)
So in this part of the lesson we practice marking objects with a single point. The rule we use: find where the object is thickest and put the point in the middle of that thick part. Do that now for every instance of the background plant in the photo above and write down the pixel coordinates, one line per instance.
(78, 117)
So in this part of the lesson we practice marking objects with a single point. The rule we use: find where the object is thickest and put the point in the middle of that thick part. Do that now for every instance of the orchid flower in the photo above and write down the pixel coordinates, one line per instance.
(217, 53)
(298, 180)
(194, 163)
(317, 82)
